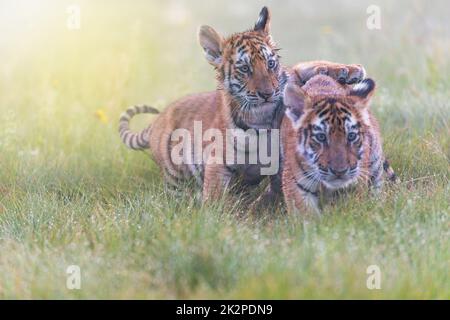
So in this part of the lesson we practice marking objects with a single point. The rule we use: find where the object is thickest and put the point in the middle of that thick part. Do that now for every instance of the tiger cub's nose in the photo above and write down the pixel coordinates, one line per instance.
(265, 94)
(338, 172)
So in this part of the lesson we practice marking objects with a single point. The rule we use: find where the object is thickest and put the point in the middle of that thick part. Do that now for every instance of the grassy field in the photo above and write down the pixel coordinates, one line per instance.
(72, 194)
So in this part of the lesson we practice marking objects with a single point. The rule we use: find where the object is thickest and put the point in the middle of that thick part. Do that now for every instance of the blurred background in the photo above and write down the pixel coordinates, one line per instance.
(69, 68)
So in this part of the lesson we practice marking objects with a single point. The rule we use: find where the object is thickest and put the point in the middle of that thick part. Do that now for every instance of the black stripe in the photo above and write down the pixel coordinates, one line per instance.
(125, 136)
(324, 112)
(320, 103)
(392, 177)
(342, 109)
(222, 71)
(141, 141)
(230, 169)
(301, 187)
(386, 165)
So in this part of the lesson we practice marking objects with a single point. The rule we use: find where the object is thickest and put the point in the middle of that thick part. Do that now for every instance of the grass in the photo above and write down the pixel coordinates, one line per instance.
(72, 194)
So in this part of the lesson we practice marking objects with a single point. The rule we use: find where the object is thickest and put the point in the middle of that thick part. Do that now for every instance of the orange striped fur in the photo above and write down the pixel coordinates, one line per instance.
(331, 140)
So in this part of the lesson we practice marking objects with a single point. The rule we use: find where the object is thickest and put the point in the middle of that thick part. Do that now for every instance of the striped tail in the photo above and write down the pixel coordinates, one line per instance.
(135, 141)
(390, 173)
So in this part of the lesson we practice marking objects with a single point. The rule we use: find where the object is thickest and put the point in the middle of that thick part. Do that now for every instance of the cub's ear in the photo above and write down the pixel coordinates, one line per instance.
(211, 43)
(296, 101)
(263, 23)
(362, 92)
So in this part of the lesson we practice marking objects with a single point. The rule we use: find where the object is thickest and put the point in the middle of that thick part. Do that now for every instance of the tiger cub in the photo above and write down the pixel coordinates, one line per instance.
(330, 140)
(248, 97)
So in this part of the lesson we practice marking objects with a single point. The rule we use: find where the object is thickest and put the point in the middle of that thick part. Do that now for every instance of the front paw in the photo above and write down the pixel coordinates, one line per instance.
(356, 74)
(347, 74)
(343, 73)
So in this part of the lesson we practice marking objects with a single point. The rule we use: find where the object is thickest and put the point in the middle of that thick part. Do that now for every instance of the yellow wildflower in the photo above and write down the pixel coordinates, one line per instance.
(101, 115)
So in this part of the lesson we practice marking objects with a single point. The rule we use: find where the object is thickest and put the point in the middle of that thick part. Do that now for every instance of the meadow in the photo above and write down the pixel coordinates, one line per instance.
(72, 194)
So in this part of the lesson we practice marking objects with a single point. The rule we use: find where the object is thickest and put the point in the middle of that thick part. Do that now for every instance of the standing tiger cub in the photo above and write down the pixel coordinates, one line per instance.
(249, 97)
(330, 140)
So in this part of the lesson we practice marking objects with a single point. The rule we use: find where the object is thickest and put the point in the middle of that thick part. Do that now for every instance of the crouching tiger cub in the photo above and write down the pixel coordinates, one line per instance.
(249, 96)
(330, 141)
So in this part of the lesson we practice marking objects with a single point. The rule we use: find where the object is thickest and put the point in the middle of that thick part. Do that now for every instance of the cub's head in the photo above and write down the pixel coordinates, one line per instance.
(329, 122)
(247, 63)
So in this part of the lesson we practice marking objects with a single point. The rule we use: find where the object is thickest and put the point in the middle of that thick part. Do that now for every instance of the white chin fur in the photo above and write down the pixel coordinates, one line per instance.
(337, 184)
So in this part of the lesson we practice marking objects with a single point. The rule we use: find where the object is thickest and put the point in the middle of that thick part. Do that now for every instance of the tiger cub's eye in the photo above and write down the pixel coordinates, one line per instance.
(244, 69)
(352, 136)
(321, 137)
(271, 64)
